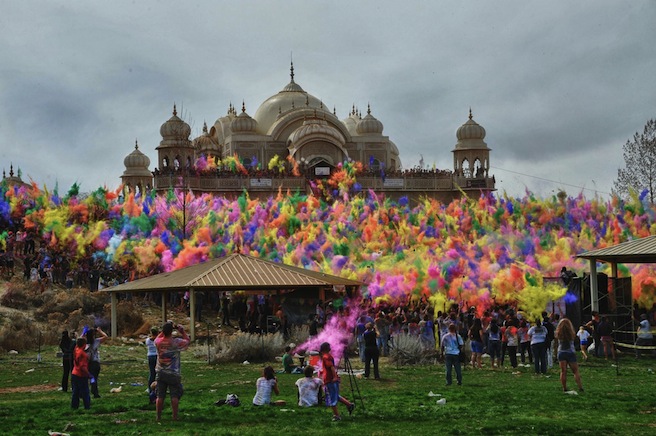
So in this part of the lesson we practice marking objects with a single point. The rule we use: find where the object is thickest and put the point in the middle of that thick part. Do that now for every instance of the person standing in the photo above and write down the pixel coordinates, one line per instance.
(584, 336)
(538, 336)
(371, 351)
(151, 355)
(168, 366)
(567, 353)
(594, 325)
(331, 382)
(476, 338)
(95, 337)
(66, 345)
(645, 336)
(80, 375)
(451, 345)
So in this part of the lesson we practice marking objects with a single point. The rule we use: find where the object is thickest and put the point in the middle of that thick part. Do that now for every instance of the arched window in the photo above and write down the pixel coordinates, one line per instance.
(478, 170)
(466, 170)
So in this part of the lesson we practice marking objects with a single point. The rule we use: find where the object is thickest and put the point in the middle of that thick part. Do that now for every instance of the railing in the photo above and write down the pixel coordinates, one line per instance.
(237, 184)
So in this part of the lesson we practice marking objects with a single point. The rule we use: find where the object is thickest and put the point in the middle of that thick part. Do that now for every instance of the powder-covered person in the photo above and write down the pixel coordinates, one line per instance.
(168, 366)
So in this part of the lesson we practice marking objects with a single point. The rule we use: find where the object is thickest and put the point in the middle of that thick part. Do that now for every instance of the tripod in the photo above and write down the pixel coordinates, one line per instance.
(353, 381)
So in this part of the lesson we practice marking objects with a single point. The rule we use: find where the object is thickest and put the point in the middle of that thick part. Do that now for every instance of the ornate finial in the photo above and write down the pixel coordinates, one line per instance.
(353, 109)
(243, 106)
(321, 104)
(136, 144)
(334, 111)
(279, 110)
(293, 104)
(291, 71)
(307, 100)
(175, 111)
(11, 170)
(470, 114)
(4, 175)
(230, 108)
(368, 109)
(204, 127)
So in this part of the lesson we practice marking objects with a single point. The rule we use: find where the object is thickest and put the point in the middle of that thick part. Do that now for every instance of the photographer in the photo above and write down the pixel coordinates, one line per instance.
(95, 337)
(168, 366)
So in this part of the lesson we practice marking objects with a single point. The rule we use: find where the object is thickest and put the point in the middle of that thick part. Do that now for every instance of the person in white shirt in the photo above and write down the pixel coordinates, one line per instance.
(265, 385)
(645, 336)
(584, 339)
(309, 388)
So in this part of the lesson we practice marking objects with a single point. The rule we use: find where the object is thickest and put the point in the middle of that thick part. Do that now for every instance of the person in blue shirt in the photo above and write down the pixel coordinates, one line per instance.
(451, 344)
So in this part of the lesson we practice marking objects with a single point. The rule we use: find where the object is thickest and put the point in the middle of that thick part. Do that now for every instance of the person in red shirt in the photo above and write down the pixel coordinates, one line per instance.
(80, 375)
(331, 382)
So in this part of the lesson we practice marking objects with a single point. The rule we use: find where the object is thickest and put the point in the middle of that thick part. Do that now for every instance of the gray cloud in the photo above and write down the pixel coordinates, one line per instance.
(559, 87)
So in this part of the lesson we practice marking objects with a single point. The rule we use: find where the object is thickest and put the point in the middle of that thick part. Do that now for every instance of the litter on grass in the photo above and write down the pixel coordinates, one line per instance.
(571, 392)
(431, 394)
(441, 401)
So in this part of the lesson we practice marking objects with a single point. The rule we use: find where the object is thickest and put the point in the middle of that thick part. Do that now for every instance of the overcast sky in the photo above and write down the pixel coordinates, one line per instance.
(558, 86)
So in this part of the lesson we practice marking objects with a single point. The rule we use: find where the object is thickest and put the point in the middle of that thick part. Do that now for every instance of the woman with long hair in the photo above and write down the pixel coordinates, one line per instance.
(567, 353)
(476, 337)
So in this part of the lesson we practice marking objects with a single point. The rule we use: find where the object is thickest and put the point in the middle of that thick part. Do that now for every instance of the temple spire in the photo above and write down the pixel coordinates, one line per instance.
(136, 144)
(175, 110)
(291, 71)
(470, 114)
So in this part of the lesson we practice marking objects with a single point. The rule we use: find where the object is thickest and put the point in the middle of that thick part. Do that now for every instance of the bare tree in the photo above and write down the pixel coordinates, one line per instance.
(640, 163)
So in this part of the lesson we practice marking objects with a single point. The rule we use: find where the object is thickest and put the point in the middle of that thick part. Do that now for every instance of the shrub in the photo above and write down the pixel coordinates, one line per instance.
(129, 318)
(21, 333)
(21, 295)
(247, 346)
(409, 350)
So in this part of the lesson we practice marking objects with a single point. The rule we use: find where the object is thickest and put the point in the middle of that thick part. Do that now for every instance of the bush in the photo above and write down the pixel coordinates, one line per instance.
(247, 346)
(21, 295)
(129, 318)
(21, 333)
(409, 350)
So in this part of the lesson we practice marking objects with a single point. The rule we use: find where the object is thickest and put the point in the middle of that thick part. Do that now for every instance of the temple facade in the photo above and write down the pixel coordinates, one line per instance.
(310, 142)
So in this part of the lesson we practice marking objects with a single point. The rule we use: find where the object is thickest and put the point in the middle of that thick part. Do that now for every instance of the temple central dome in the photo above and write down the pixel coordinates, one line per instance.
(289, 98)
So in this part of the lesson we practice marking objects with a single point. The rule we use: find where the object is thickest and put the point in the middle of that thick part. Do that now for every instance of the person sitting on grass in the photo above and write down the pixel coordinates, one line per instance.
(331, 382)
(309, 388)
(288, 361)
(265, 385)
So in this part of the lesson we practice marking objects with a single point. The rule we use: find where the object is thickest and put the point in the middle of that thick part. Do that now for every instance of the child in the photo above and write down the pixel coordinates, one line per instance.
(331, 382)
(265, 385)
(80, 375)
(309, 388)
(584, 336)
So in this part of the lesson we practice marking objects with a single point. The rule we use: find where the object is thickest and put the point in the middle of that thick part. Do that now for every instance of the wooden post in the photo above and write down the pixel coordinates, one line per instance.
(594, 286)
(165, 296)
(114, 328)
(192, 314)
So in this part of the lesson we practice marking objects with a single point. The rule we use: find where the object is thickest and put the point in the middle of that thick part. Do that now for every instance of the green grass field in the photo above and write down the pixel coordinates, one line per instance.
(489, 402)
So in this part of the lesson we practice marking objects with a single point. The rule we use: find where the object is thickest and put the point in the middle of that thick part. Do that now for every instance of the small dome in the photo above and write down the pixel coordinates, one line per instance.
(316, 126)
(175, 128)
(243, 123)
(351, 122)
(136, 163)
(369, 125)
(470, 130)
(205, 142)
